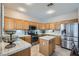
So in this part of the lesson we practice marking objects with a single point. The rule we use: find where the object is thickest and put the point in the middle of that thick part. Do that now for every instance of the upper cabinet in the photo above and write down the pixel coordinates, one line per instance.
(47, 26)
(52, 25)
(22, 24)
(17, 24)
(39, 26)
(25, 24)
(57, 25)
(69, 21)
(42, 26)
(9, 24)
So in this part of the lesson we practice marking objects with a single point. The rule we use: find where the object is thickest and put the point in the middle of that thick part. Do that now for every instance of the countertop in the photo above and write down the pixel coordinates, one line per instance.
(23, 35)
(20, 45)
(47, 37)
(52, 33)
(16, 35)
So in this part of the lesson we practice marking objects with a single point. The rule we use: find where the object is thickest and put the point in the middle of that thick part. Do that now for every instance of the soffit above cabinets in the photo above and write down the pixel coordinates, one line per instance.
(38, 10)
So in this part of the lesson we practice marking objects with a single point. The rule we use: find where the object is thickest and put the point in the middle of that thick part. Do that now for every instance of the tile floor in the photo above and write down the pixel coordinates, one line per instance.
(58, 51)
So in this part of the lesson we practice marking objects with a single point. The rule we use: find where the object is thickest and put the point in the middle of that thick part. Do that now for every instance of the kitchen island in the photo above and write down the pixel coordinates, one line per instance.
(22, 48)
(57, 35)
(47, 45)
(26, 38)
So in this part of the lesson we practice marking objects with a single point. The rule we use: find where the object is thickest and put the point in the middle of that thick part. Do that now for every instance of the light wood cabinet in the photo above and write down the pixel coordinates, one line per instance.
(42, 26)
(37, 25)
(12, 24)
(47, 26)
(27, 39)
(9, 24)
(52, 25)
(25, 52)
(18, 24)
(69, 21)
(27, 24)
(57, 25)
(15, 24)
(58, 40)
(47, 47)
(33, 23)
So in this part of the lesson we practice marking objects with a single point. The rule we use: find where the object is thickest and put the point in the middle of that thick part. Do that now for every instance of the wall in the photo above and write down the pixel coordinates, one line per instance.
(19, 32)
(78, 14)
(0, 22)
(0, 31)
(68, 16)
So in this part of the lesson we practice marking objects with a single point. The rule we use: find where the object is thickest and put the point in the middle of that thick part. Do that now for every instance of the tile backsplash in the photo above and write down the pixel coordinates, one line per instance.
(20, 32)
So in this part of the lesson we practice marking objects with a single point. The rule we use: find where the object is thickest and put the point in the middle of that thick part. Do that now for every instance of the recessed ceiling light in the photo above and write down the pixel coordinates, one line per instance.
(50, 11)
(21, 9)
(28, 3)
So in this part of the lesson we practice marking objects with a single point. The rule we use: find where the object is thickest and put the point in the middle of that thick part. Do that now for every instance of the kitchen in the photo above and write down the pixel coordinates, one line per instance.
(28, 31)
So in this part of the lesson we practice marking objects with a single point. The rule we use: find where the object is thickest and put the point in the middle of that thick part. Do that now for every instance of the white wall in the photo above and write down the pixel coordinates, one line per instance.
(0, 24)
(68, 16)
(78, 14)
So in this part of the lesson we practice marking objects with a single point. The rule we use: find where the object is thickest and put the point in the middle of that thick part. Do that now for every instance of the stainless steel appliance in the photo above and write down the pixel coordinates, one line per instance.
(32, 31)
(69, 34)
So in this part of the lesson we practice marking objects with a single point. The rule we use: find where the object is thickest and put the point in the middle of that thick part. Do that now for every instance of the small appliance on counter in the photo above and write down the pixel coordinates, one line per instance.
(10, 39)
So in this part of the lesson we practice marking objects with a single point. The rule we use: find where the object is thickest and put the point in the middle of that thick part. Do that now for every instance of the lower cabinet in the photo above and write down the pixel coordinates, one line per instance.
(58, 40)
(47, 47)
(27, 39)
(26, 52)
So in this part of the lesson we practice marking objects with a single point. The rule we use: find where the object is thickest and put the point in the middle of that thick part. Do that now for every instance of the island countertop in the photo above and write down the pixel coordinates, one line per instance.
(47, 37)
(20, 45)
(23, 35)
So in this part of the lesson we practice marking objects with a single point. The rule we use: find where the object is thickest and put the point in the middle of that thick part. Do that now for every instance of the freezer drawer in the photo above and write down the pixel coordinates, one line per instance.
(75, 39)
(76, 44)
(69, 44)
(64, 43)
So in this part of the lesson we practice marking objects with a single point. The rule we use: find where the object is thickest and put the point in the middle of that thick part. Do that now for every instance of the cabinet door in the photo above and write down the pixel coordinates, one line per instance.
(57, 25)
(27, 25)
(47, 26)
(51, 46)
(33, 24)
(19, 24)
(9, 24)
(39, 25)
(58, 40)
(52, 26)
(44, 47)
(23, 25)
(43, 26)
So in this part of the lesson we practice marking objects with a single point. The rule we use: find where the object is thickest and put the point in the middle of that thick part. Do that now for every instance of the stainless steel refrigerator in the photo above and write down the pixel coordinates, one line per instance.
(69, 35)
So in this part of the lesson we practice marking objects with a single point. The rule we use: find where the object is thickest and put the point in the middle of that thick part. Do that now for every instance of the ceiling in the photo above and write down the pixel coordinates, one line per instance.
(38, 10)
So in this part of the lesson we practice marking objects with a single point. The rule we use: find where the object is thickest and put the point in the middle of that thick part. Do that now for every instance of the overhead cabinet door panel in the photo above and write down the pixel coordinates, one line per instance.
(9, 24)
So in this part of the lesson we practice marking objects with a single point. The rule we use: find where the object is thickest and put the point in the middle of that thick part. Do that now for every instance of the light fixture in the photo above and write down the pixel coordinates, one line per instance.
(21, 9)
(50, 11)
(28, 3)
